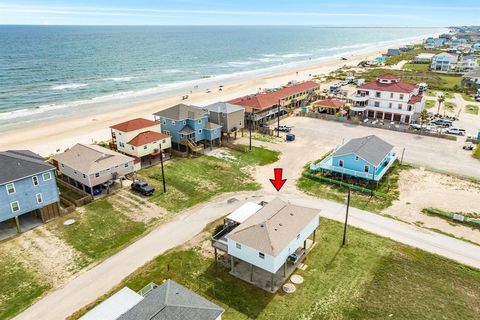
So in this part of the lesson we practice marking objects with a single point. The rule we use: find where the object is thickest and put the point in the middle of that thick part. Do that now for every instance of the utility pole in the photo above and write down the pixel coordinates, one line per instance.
(250, 130)
(346, 219)
(278, 119)
(163, 173)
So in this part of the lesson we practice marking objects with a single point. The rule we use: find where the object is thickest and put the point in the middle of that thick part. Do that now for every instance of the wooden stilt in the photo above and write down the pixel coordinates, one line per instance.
(251, 272)
(273, 279)
(231, 263)
(17, 224)
(285, 269)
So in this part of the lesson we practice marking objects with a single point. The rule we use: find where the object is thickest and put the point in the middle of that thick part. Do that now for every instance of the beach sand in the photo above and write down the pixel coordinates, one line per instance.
(50, 137)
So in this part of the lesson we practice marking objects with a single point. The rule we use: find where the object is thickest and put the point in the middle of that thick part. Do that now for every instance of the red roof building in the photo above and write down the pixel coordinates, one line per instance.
(147, 137)
(134, 124)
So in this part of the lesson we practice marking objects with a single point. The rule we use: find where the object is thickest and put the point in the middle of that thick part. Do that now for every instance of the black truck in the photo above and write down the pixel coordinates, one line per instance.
(143, 188)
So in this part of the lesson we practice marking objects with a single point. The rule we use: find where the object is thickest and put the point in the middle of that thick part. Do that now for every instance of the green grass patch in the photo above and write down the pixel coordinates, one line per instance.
(417, 66)
(388, 186)
(99, 231)
(472, 109)
(430, 103)
(19, 286)
(476, 152)
(194, 180)
(370, 278)
(266, 138)
(448, 95)
(449, 106)
(467, 97)
(69, 192)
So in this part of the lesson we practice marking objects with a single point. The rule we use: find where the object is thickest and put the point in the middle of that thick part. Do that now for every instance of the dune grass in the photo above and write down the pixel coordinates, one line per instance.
(472, 109)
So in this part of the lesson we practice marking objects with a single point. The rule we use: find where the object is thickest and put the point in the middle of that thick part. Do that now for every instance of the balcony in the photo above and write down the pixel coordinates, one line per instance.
(360, 98)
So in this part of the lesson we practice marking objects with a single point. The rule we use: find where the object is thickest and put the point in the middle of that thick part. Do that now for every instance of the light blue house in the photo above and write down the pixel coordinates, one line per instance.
(266, 247)
(444, 62)
(189, 127)
(27, 185)
(368, 158)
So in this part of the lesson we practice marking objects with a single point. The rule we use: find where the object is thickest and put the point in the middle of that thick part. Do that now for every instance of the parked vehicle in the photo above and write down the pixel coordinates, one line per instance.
(442, 122)
(456, 131)
(283, 129)
(360, 82)
(468, 146)
(350, 79)
(143, 188)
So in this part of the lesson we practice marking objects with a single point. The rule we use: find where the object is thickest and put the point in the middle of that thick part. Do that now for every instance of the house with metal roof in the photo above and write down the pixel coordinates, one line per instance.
(190, 127)
(265, 245)
(168, 301)
(230, 116)
(88, 167)
(27, 186)
(141, 139)
(367, 158)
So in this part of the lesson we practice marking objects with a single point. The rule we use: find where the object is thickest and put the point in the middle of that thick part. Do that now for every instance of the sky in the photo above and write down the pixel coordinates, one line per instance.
(242, 12)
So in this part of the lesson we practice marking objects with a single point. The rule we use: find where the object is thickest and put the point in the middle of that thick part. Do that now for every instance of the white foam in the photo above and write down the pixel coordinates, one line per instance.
(68, 86)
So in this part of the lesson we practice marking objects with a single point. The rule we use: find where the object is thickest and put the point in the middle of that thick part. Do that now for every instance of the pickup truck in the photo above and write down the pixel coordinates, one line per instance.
(456, 131)
(143, 188)
(283, 128)
(442, 122)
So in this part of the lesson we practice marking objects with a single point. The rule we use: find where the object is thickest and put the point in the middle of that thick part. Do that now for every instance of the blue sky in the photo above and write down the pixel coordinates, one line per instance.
(242, 12)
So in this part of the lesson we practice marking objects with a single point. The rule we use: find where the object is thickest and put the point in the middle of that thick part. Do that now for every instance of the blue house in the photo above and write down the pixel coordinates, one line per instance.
(368, 158)
(189, 127)
(27, 186)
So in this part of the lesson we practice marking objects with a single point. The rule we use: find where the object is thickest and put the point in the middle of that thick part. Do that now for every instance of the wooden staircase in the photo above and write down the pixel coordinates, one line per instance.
(192, 145)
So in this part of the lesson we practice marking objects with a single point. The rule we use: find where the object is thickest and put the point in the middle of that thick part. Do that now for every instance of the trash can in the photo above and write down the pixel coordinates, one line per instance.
(290, 137)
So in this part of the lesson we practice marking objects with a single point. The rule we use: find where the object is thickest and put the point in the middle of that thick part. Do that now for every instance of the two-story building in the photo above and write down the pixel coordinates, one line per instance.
(189, 127)
(231, 117)
(27, 185)
(389, 99)
(88, 167)
(466, 63)
(444, 62)
(368, 158)
(265, 245)
(141, 139)
(262, 108)
(472, 79)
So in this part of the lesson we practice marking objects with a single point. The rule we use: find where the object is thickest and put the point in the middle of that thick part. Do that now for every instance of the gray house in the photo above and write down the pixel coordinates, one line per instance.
(230, 116)
(169, 301)
(393, 52)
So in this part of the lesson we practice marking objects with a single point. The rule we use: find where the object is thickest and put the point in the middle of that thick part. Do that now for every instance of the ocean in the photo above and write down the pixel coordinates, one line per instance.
(53, 71)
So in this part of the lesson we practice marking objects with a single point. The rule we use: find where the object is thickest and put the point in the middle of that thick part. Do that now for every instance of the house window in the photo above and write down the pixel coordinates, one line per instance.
(164, 122)
(173, 122)
(377, 104)
(356, 158)
(400, 106)
(238, 245)
(391, 95)
(121, 144)
(10, 188)
(163, 141)
(39, 197)
(145, 147)
(15, 206)
(200, 131)
(240, 122)
(47, 176)
(74, 172)
(184, 122)
(166, 132)
(133, 148)
(340, 163)
(401, 97)
(366, 169)
(84, 176)
(261, 255)
(390, 105)
(97, 175)
(199, 121)
(126, 165)
(298, 236)
(35, 180)
(377, 94)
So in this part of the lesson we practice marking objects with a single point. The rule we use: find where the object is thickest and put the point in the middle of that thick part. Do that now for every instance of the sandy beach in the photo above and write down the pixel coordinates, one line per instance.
(50, 137)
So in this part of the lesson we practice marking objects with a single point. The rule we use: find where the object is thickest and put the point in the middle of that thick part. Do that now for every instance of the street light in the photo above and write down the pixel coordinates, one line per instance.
(347, 202)
(161, 164)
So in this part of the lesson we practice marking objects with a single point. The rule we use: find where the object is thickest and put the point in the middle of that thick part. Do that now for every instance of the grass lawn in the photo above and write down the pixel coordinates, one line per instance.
(476, 152)
(472, 109)
(370, 278)
(417, 66)
(466, 97)
(69, 192)
(194, 180)
(266, 138)
(99, 231)
(430, 103)
(358, 199)
(449, 106)
(19, 287)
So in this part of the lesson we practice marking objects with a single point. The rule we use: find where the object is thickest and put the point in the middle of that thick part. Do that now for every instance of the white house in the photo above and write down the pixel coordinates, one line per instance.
(466, 64)
(140, 138)
(444, 62)
(389, 99)
(271, 237)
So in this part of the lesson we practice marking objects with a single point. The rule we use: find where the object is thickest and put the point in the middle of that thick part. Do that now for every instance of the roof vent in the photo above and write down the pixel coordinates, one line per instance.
(280, 224)
(291, 213)
(262, 225)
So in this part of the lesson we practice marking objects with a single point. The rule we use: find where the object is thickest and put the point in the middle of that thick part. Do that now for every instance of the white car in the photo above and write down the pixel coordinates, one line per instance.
(456, 131)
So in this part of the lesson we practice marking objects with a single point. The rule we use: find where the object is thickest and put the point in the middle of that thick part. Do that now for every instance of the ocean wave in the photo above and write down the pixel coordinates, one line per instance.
(68, 86)
(118, 79)
(172, 71)
(287, 55)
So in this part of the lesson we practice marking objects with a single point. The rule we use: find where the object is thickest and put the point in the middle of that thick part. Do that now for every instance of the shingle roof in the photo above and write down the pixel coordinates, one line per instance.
(171, 301)
(187, 130)
(370, 148)
(400, 86)
(147, 137)
(18, 164)
(332, 103)
(269, 99)
(273, 227)
(223, 107)
(89, 159)
(182, 112)
(212, 126)
(134, 124)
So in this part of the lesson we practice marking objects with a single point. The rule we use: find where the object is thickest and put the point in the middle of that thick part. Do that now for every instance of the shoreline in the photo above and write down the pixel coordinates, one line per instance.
(47, 137)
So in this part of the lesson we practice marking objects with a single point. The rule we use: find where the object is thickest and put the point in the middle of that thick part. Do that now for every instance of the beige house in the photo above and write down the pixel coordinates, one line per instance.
(231, 117)
(89, 166)
(142, 139)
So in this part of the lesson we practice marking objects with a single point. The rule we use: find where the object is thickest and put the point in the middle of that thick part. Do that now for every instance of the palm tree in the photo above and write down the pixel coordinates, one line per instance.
(424, 117)
(440, 100)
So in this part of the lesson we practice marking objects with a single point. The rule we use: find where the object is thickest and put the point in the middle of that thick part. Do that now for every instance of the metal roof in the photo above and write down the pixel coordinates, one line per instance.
(244, 212)
(370, 148)
(113, 307)
(223, 107)
(18, 164)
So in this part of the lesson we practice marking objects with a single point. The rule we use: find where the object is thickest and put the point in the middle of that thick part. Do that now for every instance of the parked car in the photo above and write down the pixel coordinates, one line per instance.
(350, 79)
(143, 188)
(442, 122)
(468, 146)
(283, 129)
(456, 131)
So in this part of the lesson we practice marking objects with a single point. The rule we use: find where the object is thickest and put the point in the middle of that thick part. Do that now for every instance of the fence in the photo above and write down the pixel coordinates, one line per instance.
(344, 184)
(454, 216)
(402, 128)
(86, 198)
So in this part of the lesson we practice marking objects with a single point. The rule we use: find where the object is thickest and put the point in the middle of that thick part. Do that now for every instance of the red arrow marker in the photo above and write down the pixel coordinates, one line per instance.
(278, 182)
